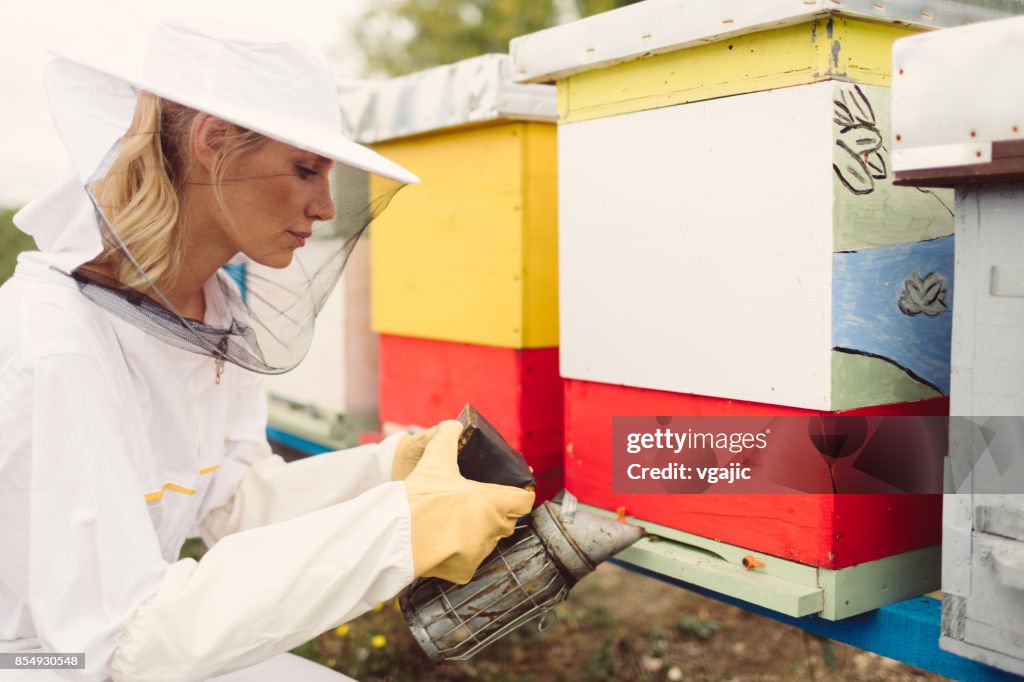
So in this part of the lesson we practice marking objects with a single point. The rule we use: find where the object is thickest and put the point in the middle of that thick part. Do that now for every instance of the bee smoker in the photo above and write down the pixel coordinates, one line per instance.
(526, 575)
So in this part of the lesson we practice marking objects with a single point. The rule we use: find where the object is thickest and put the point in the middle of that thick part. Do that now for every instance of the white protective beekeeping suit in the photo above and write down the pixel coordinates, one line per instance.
(128, 426)
(117, 446)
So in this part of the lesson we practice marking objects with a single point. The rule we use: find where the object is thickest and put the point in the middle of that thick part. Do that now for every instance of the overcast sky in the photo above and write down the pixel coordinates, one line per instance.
(31, 155)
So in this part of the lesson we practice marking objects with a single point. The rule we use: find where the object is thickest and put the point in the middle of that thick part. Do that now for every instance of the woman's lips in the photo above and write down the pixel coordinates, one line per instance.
(299, 237)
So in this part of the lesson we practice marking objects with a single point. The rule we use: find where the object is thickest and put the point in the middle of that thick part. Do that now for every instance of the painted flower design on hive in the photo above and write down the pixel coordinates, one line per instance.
(861, 156)
(927, 295)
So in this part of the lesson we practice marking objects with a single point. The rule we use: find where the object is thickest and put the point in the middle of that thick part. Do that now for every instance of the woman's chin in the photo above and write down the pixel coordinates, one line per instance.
(276, 260)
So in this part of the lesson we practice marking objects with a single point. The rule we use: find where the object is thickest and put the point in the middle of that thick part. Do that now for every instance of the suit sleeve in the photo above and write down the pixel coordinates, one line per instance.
(96, 580)
(254, 487)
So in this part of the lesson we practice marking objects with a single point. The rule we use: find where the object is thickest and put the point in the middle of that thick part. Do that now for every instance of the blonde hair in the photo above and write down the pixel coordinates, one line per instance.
(143, 193)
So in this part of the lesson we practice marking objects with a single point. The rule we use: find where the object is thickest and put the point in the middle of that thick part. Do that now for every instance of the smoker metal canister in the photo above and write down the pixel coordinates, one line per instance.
(528, 573)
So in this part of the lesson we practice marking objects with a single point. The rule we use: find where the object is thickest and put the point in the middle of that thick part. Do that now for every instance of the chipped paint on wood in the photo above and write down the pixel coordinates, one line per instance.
(832, 48)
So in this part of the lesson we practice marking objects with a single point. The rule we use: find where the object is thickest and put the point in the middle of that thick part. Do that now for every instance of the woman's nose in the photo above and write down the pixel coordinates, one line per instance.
(321, 205)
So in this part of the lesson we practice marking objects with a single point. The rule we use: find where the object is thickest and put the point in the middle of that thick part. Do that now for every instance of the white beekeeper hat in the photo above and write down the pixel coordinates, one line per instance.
(261, 80)
(266, 81)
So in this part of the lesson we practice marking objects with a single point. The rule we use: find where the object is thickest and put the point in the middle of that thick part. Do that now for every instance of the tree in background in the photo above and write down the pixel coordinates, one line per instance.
(12, 242)
(402, 36)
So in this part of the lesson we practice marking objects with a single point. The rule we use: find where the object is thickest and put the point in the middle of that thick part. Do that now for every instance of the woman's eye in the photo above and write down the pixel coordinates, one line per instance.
(305, 172)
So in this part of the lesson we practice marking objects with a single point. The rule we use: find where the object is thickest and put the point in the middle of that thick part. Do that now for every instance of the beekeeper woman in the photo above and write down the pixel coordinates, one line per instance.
(130, 403)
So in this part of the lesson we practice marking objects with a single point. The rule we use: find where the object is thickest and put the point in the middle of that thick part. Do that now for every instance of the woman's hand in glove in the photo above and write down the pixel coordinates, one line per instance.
(456, 522)
(409, 451)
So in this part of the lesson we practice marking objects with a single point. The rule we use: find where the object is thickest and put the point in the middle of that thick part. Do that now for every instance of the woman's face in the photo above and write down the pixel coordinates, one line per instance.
(273, 194)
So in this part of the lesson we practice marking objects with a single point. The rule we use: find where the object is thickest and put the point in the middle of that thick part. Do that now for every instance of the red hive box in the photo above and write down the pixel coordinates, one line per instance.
(518, 390)
(831, 531)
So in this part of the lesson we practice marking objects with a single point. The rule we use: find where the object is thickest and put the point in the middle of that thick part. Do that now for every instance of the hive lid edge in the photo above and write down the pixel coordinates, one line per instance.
(658, 26)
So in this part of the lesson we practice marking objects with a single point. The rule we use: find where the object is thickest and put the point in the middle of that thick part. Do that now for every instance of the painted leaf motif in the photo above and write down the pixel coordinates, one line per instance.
(862, 158)
(841, 115)
(927, 295)
(876, 165)
(852, 170)
(862, 141)
(858, 104)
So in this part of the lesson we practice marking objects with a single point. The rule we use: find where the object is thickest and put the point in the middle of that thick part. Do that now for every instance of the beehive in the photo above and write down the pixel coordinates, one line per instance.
(731, 243)
(464, 265)
(965, 132)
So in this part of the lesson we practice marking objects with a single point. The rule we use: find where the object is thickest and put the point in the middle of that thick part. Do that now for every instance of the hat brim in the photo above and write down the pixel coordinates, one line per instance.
(297, 133)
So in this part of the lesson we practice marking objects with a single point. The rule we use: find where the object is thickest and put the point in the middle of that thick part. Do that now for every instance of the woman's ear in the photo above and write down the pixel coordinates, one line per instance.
(208, 134)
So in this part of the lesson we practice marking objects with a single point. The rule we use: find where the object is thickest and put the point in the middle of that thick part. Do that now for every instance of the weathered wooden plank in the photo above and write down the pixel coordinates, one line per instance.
(694, 566)
(864, 587)
(789, 572)
(784, 586)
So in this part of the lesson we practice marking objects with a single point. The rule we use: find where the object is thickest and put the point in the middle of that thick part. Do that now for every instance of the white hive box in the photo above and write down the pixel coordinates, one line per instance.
(958, 108)
(728, 222)
(959, 111)
(983, 523)
(697, 245)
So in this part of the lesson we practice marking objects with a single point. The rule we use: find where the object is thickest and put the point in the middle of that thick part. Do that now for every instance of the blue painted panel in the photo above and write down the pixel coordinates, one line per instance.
(895, 302)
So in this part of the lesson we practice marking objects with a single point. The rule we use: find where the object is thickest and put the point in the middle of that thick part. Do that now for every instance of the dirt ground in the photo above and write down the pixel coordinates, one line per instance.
(616, 625)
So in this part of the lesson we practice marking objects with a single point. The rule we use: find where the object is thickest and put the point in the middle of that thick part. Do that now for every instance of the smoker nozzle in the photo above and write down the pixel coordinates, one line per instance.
(581, 540)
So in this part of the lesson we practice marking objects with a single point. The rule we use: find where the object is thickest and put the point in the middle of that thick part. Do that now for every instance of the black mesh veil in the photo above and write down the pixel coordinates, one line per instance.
(274, 233)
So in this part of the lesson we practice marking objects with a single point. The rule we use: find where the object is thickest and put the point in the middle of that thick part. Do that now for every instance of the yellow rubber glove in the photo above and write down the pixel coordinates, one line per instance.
(456, 522)
(408, 452)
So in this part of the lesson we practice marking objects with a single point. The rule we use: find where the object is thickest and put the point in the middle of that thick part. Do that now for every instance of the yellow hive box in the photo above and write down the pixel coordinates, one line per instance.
(469, 255)
(656, 54)
(825, 48)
